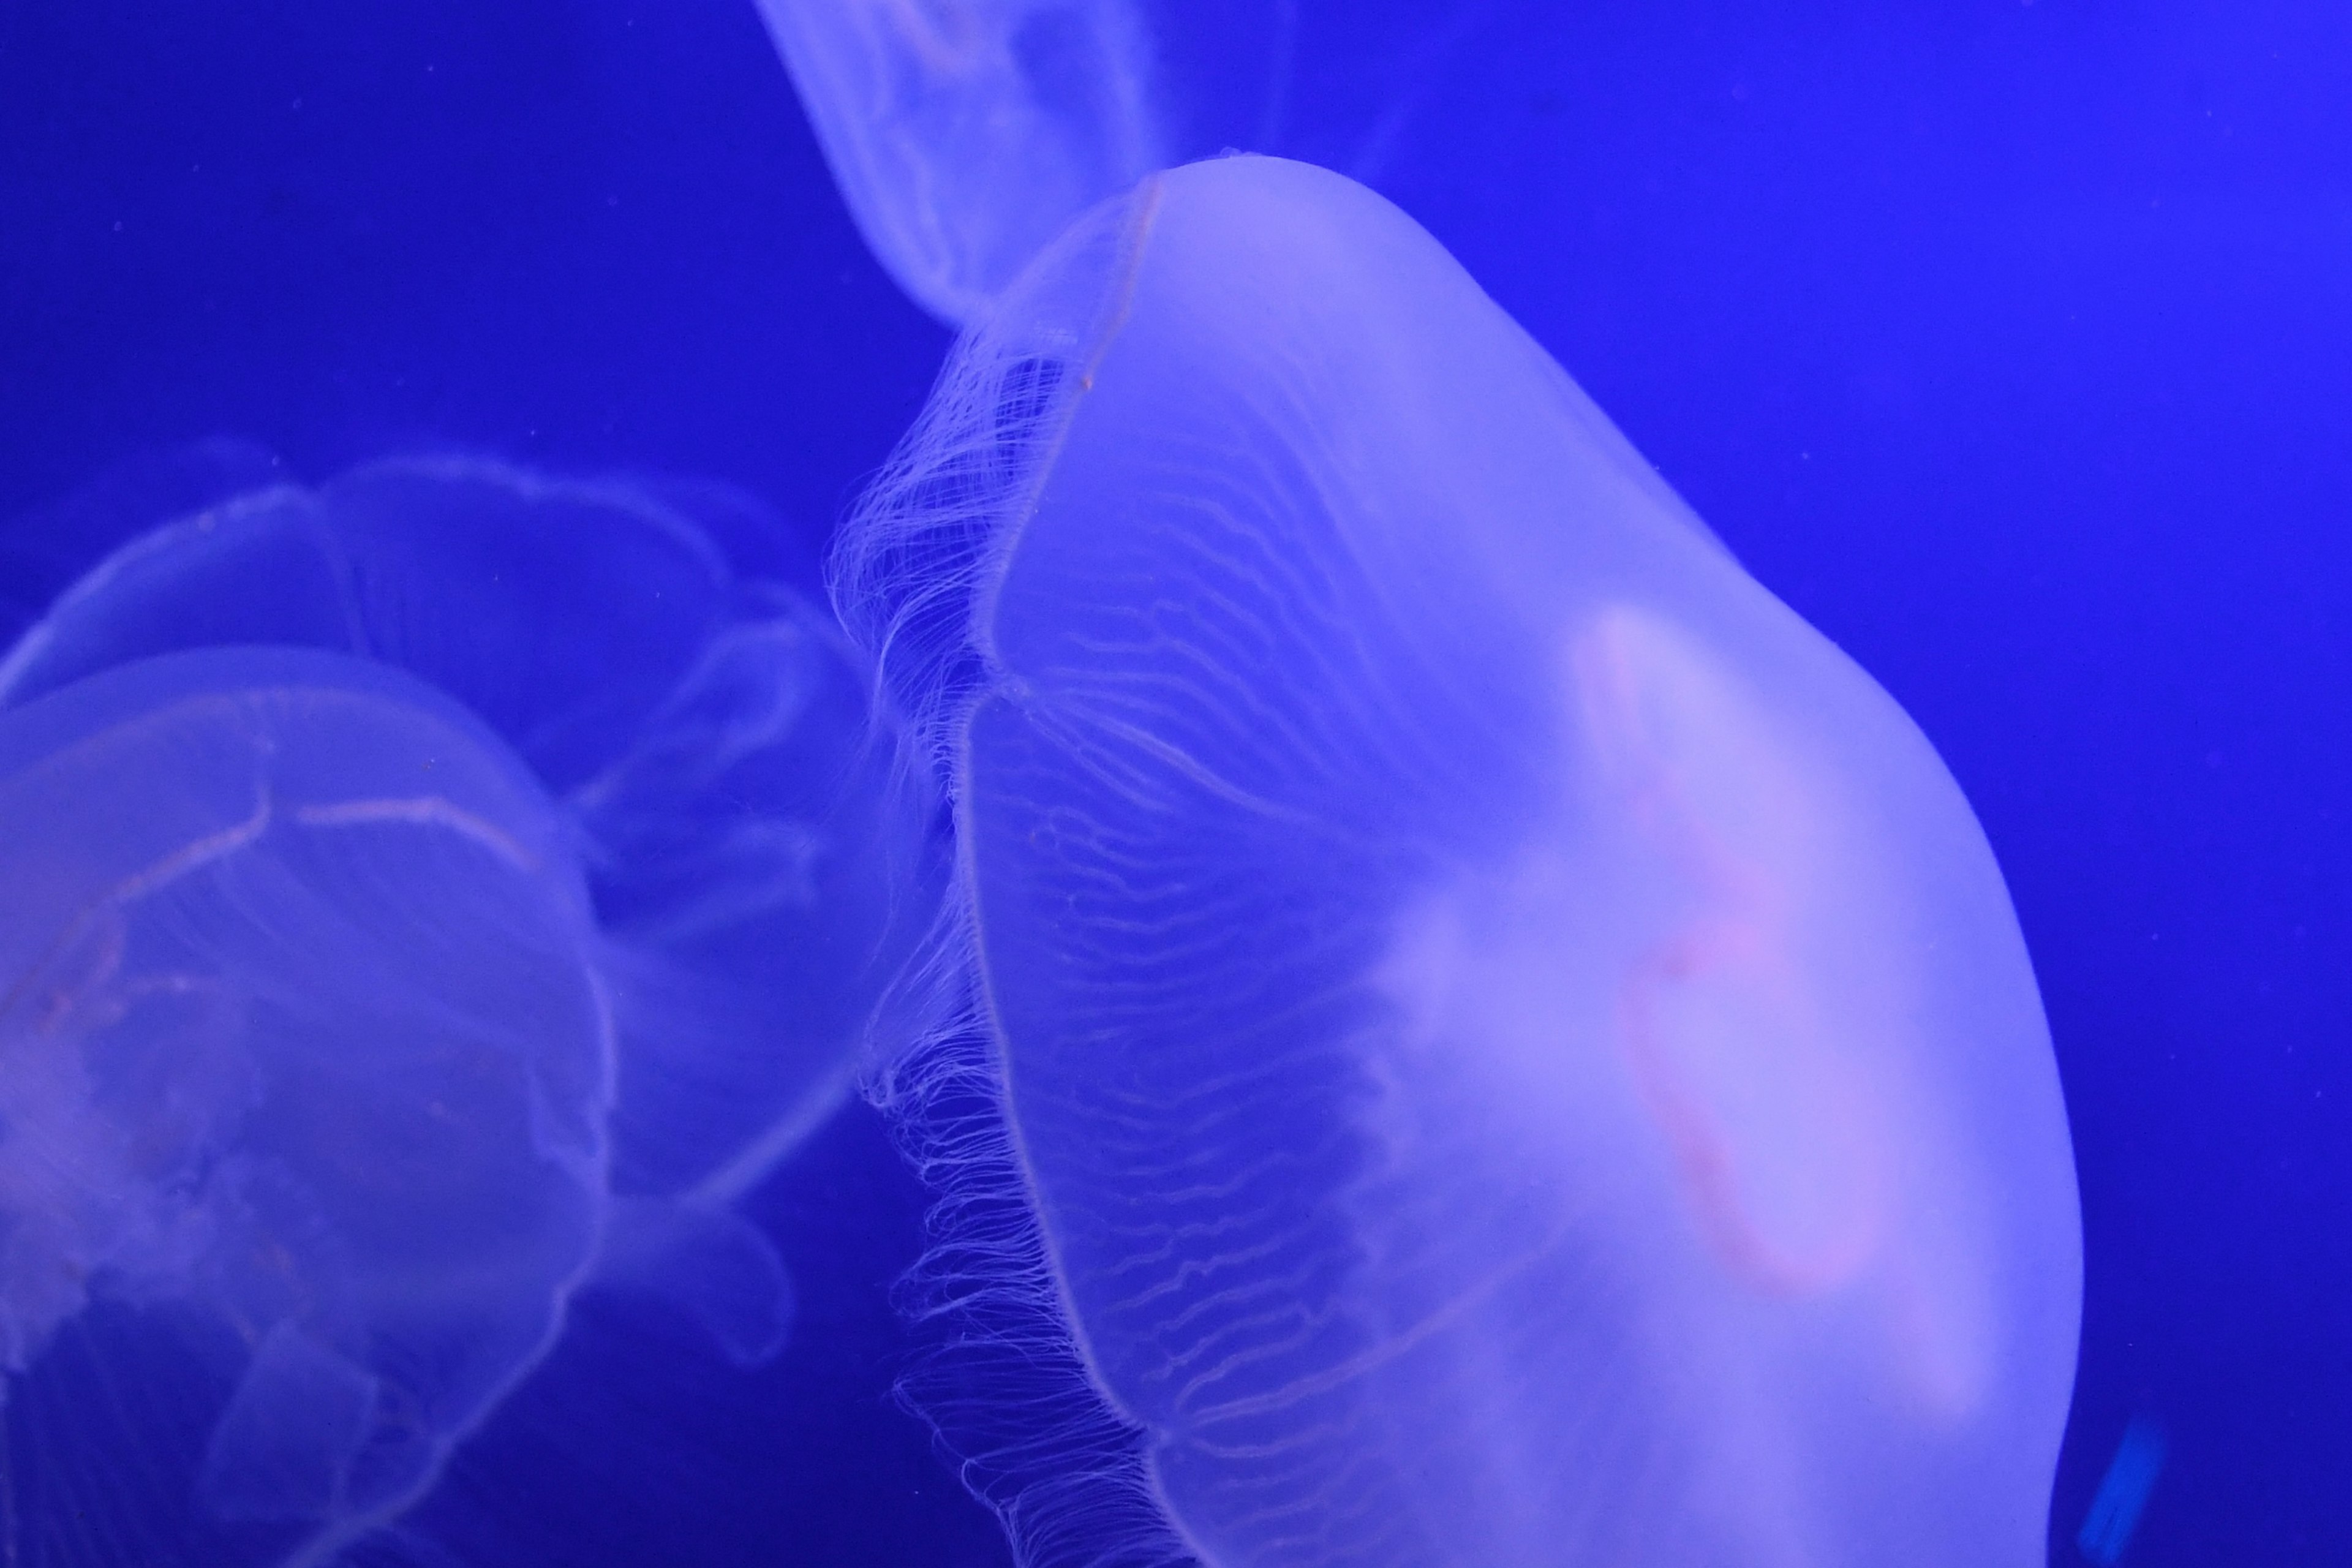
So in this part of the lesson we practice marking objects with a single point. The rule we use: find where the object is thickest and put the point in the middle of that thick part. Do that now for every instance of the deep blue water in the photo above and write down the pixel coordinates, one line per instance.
(2011, 344)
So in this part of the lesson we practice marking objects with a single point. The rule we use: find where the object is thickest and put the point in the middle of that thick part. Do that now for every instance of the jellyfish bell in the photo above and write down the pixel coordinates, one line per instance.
(964, 133)
(302, 1111)
(691, 741)
(702, 727)
(1515, 1048)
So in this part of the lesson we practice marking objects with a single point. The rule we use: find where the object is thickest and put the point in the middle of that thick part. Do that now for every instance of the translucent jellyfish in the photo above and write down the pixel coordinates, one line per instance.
(681, 744)
(965, 134)
(304, 1066)
(1490, 1041)
(701, 724)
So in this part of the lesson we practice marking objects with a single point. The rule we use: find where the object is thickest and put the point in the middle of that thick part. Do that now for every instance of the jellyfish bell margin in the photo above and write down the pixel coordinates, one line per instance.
(1487, 1038)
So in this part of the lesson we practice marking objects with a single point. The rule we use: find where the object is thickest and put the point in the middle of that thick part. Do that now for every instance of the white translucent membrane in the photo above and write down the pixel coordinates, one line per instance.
(689, 785)
(304, 1068)
(965, 134)
(1516, 1049)
(702, 727)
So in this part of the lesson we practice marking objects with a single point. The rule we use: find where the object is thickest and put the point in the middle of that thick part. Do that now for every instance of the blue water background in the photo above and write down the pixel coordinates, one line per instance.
(2010, 344)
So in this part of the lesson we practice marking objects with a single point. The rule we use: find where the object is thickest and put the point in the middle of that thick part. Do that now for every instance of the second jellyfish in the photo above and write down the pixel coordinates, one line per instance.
(440, 891)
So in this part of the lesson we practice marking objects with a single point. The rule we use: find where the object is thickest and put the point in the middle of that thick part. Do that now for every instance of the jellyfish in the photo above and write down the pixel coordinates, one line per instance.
(965, 134)
(1485, 1038)
(681, 742)
(701, 725)
(304, 1066)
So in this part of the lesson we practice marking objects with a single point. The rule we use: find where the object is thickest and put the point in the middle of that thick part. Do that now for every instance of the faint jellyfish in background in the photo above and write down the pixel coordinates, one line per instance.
(697, 735)
(1513, 1048)
(964, 135)
(304, 1068)
(702, 726)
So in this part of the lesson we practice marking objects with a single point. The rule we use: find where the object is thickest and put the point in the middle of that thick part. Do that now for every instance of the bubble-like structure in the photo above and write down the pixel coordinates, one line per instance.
(1489, 1041)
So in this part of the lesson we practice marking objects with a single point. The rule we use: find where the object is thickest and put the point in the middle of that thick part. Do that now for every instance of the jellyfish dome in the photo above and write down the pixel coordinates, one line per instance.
(701, 724)
(450, 890)
(1490, 1041)
(304, 1072)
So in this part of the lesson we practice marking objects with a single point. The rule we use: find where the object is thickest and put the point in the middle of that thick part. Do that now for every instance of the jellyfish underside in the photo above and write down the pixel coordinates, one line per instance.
(302, 1136)
(1517, 1049)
